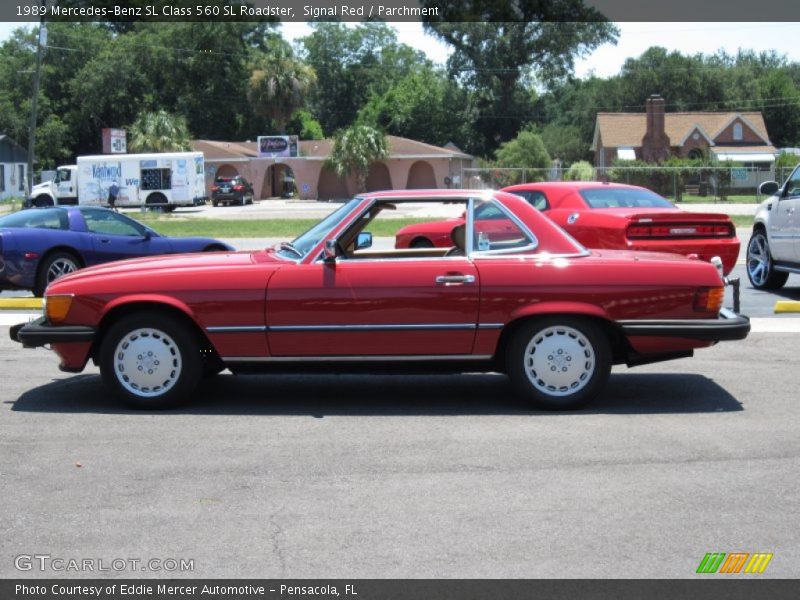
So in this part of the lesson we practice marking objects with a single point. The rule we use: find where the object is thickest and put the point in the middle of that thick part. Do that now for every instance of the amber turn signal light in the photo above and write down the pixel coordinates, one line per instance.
(57, 307)
(709, 299)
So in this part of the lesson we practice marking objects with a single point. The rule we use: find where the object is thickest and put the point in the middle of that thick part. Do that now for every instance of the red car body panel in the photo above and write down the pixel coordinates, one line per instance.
(256, 305)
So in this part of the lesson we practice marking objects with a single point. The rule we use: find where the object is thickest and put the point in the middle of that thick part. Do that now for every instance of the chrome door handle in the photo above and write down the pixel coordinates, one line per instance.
(454, 279)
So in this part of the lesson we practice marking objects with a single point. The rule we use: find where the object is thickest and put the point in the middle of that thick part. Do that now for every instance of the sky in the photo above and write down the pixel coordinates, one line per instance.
(635, 38)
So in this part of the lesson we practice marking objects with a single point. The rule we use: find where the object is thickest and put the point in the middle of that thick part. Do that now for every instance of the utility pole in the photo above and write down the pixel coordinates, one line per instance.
(42, 41)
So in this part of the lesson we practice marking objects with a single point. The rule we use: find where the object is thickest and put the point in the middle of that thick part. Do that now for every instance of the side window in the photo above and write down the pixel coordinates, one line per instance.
(494, 230)
(535, 198)
(110, 223)
(63, 175)
(793, 185)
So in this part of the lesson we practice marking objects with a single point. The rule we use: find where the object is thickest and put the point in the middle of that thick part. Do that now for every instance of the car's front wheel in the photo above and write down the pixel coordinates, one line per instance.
(559, 363)
(53, 266)
(151, 360)
(760, 268)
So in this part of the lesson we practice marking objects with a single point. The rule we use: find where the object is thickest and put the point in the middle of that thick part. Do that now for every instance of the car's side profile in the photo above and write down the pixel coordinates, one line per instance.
(773, 251)
(522, 298)
(613, 216)
(39, 245)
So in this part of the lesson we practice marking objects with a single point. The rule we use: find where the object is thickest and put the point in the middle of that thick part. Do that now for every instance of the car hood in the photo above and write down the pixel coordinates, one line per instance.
(168, 263)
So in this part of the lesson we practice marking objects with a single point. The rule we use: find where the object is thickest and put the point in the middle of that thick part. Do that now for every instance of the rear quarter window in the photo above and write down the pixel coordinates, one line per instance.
(536, 199)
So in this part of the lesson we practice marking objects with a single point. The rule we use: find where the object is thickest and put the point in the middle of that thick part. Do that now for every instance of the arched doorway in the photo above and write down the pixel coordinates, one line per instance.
(331, 187)
(279, 182)
(226, 171)
(378, 177)
(420, 176)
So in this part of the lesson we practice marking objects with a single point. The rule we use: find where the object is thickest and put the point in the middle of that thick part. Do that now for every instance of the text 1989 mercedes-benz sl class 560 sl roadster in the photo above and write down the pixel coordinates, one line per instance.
(529, 301)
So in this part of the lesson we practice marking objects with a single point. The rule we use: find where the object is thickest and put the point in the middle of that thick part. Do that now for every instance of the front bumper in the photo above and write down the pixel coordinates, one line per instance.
(40, 333)
(728, 326)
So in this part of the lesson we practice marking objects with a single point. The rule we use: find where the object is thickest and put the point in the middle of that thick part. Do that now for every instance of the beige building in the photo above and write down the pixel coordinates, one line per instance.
(410, 165)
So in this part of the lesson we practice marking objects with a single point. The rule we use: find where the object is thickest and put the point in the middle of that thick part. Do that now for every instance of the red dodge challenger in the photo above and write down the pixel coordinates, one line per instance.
(520, 296)
(614, 216)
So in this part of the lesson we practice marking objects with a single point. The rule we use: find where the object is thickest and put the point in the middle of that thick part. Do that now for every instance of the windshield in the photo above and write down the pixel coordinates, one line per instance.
(303, 244)
(624, 198)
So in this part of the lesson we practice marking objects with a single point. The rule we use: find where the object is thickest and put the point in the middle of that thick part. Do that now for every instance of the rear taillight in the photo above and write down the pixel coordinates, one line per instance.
(709, 299)
(238, 188)
(679, 230)
(214, 188)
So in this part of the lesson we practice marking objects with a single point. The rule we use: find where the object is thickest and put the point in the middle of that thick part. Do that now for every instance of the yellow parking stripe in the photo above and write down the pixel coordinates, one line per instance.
(787, 306)
(20, 303)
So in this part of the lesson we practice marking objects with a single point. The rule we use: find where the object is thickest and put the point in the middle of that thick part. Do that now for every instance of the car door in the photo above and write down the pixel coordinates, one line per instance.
(784, 223)
(116, 237)
(396, 307)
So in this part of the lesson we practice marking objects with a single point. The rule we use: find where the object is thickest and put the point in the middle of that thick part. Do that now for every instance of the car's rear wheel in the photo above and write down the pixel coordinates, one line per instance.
(760, 268)
(559, 363)
(53, 266)
(151, 360)
(44, 200)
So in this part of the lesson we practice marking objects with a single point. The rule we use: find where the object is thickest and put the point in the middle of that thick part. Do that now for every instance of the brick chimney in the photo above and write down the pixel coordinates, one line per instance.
(655, 143)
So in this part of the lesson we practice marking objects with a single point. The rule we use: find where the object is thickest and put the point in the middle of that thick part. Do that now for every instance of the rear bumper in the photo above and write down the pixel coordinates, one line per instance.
(40, 333)
(729, 326)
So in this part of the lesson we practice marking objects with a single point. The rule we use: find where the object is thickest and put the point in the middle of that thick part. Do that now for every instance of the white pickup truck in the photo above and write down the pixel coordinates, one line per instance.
(774, 248)
(167, 180)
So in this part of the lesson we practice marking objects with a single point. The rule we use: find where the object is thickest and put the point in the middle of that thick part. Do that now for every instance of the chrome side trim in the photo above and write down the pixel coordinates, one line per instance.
(386, 327)
(236, 329)
(368, 358)
(490, 325)
(785, 268)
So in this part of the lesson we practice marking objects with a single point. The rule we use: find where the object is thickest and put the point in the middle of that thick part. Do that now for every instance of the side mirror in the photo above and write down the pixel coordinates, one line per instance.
(364, 240)
(147, 234)
(768, 188)
(331, 250)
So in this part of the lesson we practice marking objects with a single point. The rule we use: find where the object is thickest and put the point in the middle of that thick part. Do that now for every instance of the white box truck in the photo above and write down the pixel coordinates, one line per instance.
(166, 180)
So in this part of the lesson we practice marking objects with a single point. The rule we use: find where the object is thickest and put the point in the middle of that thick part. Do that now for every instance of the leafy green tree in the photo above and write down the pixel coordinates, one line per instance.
(497, 55)
(159, 132)
(424, 106)
(305, 126)
(526, 151)
(354, 150)
(279, 85)
(352, 64)
(564, 142)
(580, 171)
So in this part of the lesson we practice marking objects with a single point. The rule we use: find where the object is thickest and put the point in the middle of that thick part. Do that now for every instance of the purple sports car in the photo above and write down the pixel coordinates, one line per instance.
(40, 245)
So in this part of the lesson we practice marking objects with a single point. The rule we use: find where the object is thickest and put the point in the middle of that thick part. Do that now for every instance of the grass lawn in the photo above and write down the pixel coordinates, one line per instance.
(743, 221)
(277, 228)
(732, 199)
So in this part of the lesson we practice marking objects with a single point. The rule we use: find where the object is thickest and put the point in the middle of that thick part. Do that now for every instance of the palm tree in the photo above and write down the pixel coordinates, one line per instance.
(159, 131)
(355, 149)
(279, 85)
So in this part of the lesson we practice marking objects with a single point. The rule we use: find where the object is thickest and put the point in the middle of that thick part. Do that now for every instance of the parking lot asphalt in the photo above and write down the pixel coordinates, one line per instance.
(424, 476)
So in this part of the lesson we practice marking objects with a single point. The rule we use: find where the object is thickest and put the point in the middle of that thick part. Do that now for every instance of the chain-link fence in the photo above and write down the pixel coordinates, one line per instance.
(679, 184)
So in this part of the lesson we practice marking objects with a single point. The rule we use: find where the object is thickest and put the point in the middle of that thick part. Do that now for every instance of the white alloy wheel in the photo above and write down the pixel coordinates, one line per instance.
(559, 361)
(147, 362)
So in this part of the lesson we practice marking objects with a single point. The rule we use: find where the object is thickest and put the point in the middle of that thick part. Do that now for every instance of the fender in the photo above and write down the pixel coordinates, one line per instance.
(151, 299)
(560, 308)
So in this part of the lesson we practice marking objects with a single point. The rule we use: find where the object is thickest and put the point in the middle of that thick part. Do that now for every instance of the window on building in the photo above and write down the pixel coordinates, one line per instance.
(21, 178)
(737, 132)
(2, 178)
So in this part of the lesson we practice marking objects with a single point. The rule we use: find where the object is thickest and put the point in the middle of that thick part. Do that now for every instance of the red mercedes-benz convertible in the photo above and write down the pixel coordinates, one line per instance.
(530, 302)
(607, 215)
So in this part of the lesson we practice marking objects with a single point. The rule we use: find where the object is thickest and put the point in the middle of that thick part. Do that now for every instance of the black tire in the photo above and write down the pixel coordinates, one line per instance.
(53, 266)
(168, 349)
(573, 364)
(42, 201)
(760, 267)
(421, 243)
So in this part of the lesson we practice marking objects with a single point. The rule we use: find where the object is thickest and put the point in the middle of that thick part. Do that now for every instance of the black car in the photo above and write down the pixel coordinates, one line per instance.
(231, 190)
